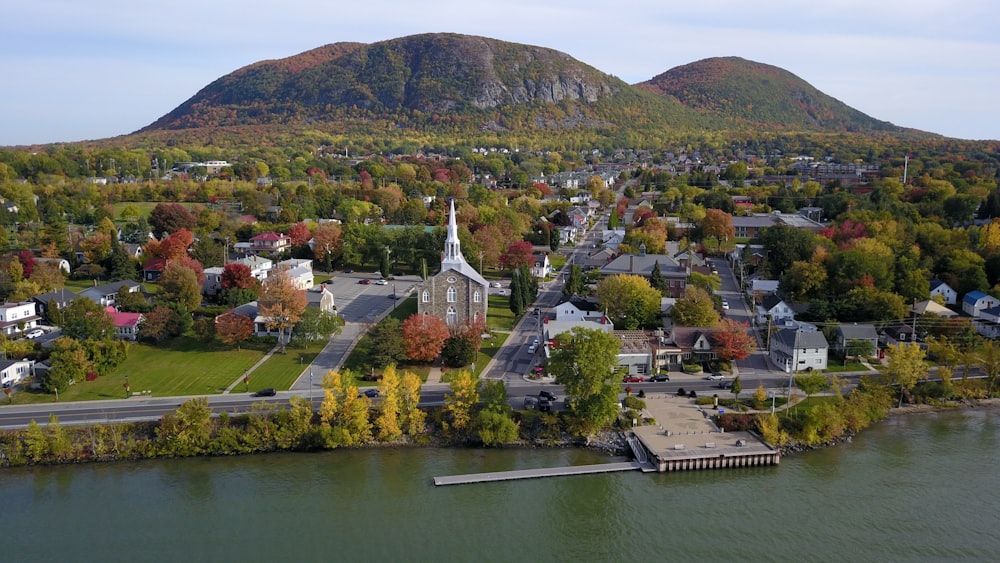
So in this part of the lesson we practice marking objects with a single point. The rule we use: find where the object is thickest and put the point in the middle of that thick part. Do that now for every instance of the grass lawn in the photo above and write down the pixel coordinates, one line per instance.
(498, 315)
(834, 365)
(557, 261)
(146, 207)
(281, 370)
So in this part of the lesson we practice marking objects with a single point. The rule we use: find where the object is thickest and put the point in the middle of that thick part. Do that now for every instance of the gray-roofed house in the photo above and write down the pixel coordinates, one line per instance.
(939, 287)
(799, 350)
(58, 299)
(845, 333)
(776, 309)
(107, 294)
(320, 298)
(674, 272)
(458, 293)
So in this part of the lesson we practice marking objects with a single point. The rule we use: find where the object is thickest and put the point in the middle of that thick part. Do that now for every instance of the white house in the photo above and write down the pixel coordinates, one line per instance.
(776, 309)
(107, 294)
(541, 266)
(13, 371)
(259, 267)
(949, 295)
(799, 350)
(18, 317)
(976, 301)
(299, 271)
(213, 280)
(575, 308)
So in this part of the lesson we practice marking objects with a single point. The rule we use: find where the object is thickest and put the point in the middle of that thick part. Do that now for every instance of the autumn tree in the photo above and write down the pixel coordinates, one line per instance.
(327, 244)
(158, 324)
(811, 383)
(412, 418)
(299, 234)
(696, 308)
(169, 218)
(718, 225)
(520, 253)
(387, 421)
(239, 286)
(905, 366)
(583, 361)
(281, 305)
(172, 247)
(233, 328)
(343, 413)
(425, 336)
(96, 248)
(459, 402)
(733, 340)
(179, 284)
(629, 300)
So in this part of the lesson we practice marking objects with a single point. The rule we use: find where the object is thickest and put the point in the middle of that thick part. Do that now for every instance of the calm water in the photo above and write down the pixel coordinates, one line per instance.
(915, 488)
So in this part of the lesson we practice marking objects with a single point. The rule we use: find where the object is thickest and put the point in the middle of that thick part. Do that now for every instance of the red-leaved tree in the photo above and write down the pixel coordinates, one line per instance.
(233, 328)
(299, 233)
(520, 253)
(733, 341)
(425, 336)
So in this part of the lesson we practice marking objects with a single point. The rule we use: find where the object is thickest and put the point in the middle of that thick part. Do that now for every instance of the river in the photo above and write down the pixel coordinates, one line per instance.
(913, 488)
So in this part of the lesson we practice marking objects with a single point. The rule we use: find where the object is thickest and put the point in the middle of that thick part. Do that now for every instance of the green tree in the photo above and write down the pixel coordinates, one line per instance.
(629, 300)
(85, 319)
(388, 345)
(179, 284)
(495, 429)
(736, 388)
(583, 361)
(905, 366)
(696, 308)
(574, 281)
(860, 348)
(68, 362)
(315, 325)
(656, 279)
(458, 351)
(812, 383)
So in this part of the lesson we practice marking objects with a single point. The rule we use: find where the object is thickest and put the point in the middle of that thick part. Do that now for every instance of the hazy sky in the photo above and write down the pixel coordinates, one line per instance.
(76, 70)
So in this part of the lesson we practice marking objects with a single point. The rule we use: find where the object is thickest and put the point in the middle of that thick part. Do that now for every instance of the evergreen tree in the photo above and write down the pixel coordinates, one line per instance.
(516, 300)
(120, 264)
(656, 279)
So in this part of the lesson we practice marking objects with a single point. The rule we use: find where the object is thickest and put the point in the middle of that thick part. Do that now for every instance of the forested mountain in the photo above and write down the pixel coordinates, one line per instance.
(759, 95)
(467, 86)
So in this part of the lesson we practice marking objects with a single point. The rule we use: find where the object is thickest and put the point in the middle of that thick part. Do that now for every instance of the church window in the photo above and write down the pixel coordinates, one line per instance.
(476, 297)
(426, 296)
(452, 317)
(452, 295)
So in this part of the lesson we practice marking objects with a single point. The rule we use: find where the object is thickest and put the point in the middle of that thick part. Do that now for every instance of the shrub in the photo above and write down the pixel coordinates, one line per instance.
(681, 392)
(631, 402)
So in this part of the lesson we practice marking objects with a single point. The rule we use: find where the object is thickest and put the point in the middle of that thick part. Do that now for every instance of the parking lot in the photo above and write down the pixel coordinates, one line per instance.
(357, 301)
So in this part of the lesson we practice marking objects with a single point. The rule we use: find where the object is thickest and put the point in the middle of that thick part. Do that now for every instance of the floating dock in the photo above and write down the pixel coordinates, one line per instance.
(536, 473)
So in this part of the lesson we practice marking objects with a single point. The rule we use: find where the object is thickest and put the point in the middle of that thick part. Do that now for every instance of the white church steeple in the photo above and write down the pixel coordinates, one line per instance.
(452, 246)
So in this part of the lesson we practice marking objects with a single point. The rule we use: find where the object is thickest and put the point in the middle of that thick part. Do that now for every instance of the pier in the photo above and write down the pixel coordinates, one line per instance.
(536, 473)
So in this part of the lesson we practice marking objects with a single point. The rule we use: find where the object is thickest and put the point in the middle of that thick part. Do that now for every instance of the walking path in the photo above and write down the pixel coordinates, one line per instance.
(246, 374)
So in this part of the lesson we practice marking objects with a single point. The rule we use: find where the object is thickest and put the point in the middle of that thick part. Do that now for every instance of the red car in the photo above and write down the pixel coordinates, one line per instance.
(365, 282)
(631, 379)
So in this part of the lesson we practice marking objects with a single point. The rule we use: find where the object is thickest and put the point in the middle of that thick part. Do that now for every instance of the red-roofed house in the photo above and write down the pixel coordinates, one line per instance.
(270, 241)
(126, 324)
(153, 268)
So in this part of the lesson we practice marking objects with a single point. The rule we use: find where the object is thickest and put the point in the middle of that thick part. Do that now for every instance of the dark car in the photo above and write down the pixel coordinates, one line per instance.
(660, 377)
(348, 271)
(544, 405)
(265, 393)
(371, 393)
(328, 282)
(547, 395)
(365, 282)
(725, 385)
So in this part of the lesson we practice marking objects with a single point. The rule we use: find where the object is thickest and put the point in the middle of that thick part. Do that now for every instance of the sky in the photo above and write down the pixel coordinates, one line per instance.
(89, 70)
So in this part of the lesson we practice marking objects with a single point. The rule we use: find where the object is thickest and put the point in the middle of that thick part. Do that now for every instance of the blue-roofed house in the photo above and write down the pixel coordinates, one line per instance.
(975, 301)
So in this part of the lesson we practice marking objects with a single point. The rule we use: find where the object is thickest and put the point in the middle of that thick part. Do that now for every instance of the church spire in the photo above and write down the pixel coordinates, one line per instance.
(452, 246)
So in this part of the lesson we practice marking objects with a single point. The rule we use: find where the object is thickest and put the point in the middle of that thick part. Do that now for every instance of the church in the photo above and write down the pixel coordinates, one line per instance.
(458, 293)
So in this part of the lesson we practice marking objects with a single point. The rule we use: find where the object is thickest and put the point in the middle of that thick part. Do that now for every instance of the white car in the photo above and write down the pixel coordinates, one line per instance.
(715, 377)
(381, 282)
(725, 305)
(35, 333)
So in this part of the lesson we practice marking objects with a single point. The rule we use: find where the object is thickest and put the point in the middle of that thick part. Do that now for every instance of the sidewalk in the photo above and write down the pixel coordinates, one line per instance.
(259, 363)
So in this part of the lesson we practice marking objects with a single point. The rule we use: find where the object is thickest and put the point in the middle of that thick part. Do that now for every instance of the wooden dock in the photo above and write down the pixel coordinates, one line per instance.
(536, 473)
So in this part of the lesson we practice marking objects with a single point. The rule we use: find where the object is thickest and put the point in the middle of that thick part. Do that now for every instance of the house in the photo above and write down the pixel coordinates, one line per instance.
(107, 294)
(794, 350)
(270, 242)
(320, 298)
(153, 268)
(635, 352)
(13, 371)
(18, 317)
(541, 266)
(976, 301)
(259, 266)
(299, 272)
(674, 272)
(58, 299)
(949, 295)
(134, 250)
(568, 234)
(576, 308)
(775, 309)
(126, 324)
(213, 280)
(845, 333)
(762, 288)
(598, 259)
(60, 263)
(252, 310)
(611, 239)
(898, 333)
(932, 308)
(685, 344)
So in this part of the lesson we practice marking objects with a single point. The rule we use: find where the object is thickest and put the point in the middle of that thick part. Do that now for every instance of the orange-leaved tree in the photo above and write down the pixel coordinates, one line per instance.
(425, 336)
(281, 305)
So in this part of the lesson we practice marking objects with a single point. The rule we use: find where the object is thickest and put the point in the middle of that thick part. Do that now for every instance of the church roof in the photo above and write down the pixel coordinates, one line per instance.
(453, 258)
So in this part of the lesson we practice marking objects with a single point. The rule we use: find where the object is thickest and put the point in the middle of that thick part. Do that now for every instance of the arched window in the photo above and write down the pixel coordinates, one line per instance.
(426, 296)
(476, 297)
(452, 295)
(452, 317)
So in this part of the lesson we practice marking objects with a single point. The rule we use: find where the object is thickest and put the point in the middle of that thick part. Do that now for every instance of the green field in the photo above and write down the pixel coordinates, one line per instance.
(146, 207)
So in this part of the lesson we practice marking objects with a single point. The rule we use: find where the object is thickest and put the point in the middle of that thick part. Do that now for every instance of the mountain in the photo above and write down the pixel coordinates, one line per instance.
(759, 95)
(462, 86)
(444, 80)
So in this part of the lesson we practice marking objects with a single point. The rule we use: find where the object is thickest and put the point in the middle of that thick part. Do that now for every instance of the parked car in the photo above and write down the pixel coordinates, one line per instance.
(715, 377)
(544, 405)
(725, 385)
(371, 393)
(34, 333)
(328, 282)
(725, 305)
(631, 379)
(269, 392)
(381, 282)
(365, 282)
(546, 394)
(496, 284)
(661, 377)
(348, 271)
